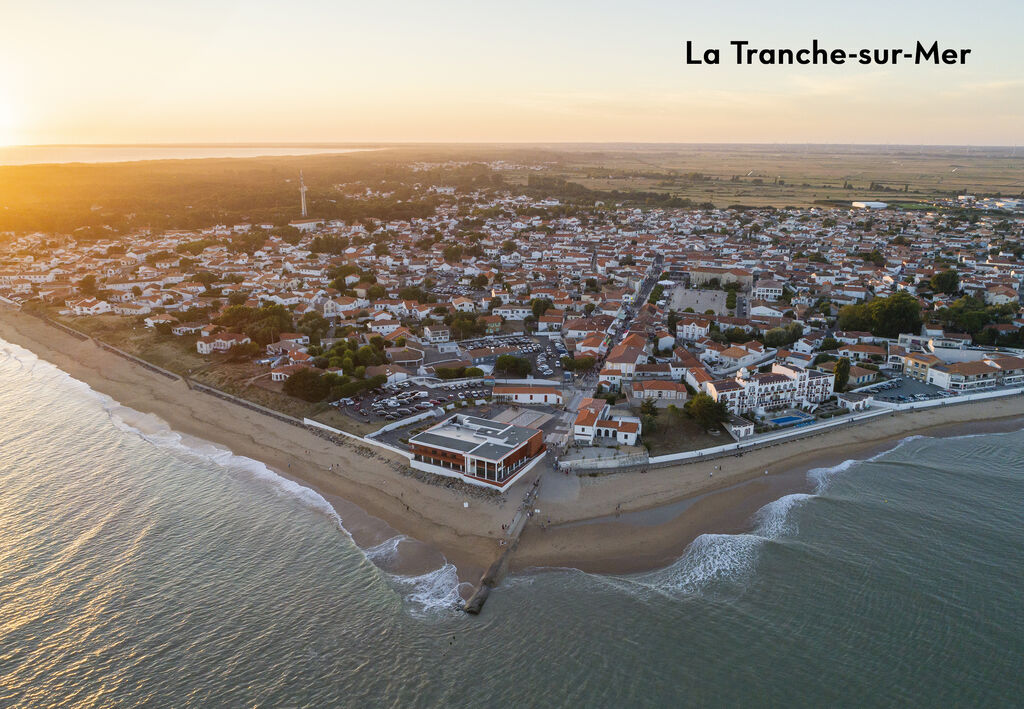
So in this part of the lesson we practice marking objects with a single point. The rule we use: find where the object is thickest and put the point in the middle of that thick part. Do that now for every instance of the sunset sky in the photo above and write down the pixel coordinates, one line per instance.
(123, 71)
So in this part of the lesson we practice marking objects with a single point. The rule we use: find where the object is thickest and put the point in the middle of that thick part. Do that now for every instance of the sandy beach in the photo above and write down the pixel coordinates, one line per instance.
(612, 523)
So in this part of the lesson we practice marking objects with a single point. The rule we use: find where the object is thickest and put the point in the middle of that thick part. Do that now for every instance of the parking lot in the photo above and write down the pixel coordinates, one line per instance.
(905, 389)
(396, 401)
(700, 300)
(545, 355)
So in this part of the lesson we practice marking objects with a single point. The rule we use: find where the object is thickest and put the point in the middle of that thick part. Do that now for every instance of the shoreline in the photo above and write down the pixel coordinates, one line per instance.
(616, 523)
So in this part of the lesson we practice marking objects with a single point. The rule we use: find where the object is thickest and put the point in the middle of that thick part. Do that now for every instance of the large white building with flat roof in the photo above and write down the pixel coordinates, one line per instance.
(476, 450)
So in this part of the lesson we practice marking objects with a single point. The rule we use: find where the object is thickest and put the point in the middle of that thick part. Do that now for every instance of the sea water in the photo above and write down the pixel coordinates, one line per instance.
(141, 567)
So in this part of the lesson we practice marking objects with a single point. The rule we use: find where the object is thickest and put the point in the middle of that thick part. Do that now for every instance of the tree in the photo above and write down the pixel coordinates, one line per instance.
(540, 306)
(243, 352)
(264, 325)
(510, 364)
(307, 384)
(947, 282)
(648, 408)
(88, 285)
(453, 253)
(580, 364)
(315, 325)
(896, 314)
(707, 412)
(854, 317)
(842, 373)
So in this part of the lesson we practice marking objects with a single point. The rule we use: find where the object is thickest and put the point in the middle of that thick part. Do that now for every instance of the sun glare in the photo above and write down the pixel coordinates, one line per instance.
(7, 122)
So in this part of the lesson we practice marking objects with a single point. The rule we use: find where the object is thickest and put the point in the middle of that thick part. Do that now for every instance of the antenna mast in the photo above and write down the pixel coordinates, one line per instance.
(302, 192)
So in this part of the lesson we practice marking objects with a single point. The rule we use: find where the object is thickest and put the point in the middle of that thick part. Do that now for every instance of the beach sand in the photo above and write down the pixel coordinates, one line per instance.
(615, 523)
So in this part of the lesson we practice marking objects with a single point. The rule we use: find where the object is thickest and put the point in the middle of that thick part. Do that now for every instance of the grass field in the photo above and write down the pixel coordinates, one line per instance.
(675, 434)
(790, 175)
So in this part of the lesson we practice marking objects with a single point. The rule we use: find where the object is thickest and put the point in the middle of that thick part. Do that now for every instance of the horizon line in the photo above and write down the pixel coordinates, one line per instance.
(411, 143)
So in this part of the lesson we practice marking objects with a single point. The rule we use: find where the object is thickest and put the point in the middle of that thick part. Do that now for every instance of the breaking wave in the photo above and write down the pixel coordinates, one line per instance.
(436, 589)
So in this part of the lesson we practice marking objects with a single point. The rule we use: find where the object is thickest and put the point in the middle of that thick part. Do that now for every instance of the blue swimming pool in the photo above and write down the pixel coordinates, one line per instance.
(789, 419)
(783, 420)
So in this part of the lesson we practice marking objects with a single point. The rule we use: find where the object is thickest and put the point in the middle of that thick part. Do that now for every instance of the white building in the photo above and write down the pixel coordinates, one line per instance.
(767, 290)
(783, 387)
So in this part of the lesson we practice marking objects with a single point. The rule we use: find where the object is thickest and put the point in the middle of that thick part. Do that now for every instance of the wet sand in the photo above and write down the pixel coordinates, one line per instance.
(659, 512)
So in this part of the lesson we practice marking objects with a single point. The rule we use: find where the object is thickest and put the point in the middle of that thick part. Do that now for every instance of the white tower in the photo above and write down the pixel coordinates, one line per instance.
(302, 192)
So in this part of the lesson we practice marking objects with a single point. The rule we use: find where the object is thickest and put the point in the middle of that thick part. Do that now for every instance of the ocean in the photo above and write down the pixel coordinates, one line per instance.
(46, 154)
(139, 567)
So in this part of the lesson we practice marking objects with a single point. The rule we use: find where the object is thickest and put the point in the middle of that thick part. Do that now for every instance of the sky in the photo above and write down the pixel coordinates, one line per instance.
(123, 71)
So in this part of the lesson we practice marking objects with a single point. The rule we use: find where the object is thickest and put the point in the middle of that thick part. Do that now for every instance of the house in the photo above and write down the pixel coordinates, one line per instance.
(863, 352)
(658, 389)
(154, 320)
(859, 376)
(585, 425)
(282, 373)
(220, 343)
(692, 329)
(89, 306)
(492, 323)
(394, 373)
(854, 402)
(1001, 295)
(767, 290)
(917, 364)
(594, 425)
(435, 334)
(992, 371)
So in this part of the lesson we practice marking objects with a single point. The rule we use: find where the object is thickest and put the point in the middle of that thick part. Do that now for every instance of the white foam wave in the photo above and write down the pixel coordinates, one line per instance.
(437, 589)
(156, 431)
(710, 558)
(774, 519)
(385, 550)
(434, 591)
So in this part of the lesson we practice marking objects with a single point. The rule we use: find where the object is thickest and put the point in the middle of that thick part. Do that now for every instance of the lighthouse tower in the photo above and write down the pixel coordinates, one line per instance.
(302, 193)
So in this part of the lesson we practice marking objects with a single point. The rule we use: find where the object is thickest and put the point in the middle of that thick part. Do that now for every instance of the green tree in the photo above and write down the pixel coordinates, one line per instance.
(707, 412)
(308, 384)
(648, 408)
(510, 364)
(842, 373)
(540, 306)
(896, 314)
(947, 282)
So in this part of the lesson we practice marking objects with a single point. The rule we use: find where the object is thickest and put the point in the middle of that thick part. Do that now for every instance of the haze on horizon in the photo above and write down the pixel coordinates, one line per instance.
(234, 71)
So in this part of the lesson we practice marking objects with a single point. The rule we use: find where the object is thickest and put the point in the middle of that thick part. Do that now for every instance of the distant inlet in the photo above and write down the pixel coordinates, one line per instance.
(51, 154)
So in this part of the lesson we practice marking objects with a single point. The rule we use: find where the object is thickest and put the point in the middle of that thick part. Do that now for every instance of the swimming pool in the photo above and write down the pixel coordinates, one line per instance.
(788, 419)
(783, 420)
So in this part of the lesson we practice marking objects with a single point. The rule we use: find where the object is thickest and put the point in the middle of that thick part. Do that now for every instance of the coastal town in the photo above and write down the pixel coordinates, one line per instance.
(500, 332)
